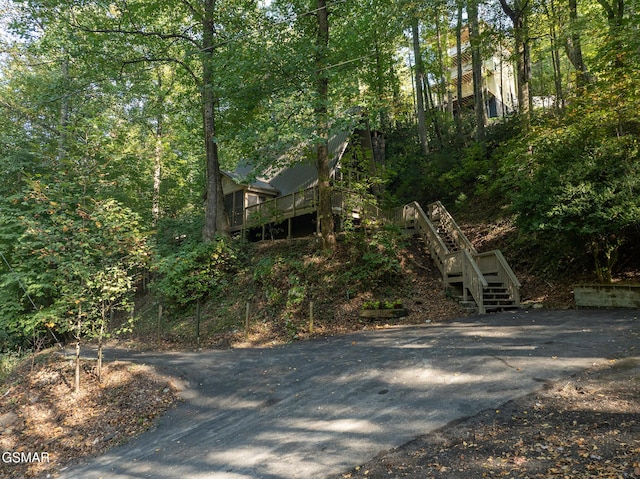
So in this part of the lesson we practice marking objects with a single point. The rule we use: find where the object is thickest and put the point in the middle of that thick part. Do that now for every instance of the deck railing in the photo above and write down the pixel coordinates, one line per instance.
(276, 210)
(465, 265)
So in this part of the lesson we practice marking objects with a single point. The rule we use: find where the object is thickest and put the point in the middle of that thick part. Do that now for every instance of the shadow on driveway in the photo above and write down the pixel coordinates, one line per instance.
(316, 408)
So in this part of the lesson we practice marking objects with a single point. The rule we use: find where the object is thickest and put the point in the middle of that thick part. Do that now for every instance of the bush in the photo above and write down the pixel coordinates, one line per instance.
(373, 259)
(195, 273)
(579, 186)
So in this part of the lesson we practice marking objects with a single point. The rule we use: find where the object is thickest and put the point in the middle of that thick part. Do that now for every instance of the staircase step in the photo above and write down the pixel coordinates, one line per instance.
(498, 302)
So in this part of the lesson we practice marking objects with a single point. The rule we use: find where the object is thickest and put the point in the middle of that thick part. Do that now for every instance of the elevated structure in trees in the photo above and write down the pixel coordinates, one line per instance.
(498, 81)
(287, 196)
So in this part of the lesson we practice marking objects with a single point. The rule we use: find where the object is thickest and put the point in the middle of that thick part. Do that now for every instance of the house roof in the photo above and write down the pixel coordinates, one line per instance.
(296, 177)
(242, 172)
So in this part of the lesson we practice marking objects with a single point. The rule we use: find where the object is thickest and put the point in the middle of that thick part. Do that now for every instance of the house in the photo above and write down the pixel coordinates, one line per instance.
(498, 80)
(285, 200)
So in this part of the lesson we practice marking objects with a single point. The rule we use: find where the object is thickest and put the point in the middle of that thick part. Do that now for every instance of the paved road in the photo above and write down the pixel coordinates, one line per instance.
(311, 409)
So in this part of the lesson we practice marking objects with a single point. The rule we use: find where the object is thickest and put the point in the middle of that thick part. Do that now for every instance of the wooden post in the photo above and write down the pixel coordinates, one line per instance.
(246, 323)
(289, 228)
(159, 320)
(198, 323)
(310, 317)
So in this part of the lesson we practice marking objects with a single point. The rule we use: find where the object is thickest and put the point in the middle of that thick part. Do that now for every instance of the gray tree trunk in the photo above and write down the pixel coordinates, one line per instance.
(325, 210)
(422, 124)
(215, 221)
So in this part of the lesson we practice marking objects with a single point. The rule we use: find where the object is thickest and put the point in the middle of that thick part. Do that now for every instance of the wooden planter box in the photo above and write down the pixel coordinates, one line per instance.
(607, 295)
(383, 313)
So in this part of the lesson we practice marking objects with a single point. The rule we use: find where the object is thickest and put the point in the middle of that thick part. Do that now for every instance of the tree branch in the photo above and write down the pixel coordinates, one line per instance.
(184, 65)
(140, 33)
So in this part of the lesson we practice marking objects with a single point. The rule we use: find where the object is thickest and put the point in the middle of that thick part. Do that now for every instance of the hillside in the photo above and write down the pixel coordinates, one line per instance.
(279, 279)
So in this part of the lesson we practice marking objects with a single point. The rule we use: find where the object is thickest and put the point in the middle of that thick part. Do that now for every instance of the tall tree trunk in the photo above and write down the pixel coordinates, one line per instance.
(476, 62)
(458, 111)
(325, 210)
(614, 12)
(380, 88)
(422, 125)
(157, 172)
(444, 83)
(573, 47)
(64, 111)
(215, 221)
(555, 59)
(519, 16)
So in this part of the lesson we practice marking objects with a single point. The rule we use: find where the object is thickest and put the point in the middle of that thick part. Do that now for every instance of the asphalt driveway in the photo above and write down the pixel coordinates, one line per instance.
(316, 408)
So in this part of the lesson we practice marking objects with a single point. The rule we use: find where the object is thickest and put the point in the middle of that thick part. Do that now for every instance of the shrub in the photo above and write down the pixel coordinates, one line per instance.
(195, 273)
(374, 258)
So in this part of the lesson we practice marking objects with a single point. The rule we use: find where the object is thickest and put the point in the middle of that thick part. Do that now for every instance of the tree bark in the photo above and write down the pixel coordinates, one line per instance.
(325, 210)
(458, 111)
(573, 47)
(518, 15)
(78, 335)
(215, 222)
(422, 124)
(64, 112)
(157, 172)
(476, 62)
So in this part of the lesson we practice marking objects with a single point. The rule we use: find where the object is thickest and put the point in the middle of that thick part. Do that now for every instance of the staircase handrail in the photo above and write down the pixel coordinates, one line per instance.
(454, 230)
(427, 230)
(504, 271)
(473, 279)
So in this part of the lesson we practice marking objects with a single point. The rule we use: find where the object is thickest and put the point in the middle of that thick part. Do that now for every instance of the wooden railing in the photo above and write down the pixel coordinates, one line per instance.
(466, 265)
(276, 210)
(439, 214)
(494, 263)
(279, 209)
(473, 280)
(413, 216)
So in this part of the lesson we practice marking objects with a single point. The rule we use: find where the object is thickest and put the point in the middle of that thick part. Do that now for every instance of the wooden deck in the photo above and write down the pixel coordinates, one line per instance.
(485, 279)
(277, 210)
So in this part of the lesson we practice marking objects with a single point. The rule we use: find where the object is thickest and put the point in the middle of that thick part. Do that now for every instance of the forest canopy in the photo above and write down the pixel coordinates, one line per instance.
(117, 119)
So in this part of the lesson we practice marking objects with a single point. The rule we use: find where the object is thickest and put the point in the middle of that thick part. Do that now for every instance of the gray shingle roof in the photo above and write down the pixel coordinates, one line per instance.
(296, 177)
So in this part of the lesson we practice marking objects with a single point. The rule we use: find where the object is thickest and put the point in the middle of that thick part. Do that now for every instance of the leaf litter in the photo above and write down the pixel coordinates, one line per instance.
(40, 413)
(584, 427)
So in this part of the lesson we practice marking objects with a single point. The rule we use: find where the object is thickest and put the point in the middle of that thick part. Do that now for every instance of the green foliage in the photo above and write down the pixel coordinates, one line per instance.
(373, 259)
(196, 273)
(69, 255)
(9, 360)
(173, 233)
(396, 304)
(579, 185)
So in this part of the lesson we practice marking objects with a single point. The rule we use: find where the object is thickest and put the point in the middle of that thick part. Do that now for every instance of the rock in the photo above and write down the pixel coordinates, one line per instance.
(8, 419)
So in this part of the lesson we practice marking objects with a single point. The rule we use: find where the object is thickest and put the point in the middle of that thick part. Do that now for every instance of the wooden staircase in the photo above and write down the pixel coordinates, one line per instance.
(484, 282)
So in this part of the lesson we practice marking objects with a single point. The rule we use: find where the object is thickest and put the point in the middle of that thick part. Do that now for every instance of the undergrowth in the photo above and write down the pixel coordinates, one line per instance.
(206, 289)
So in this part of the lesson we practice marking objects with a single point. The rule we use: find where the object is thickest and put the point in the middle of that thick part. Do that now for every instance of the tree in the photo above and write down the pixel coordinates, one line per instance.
(419, 79)
(519, 15)
(573, 47)
(163, 33)
(476, 60)
(325, 210)
(582, 189)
